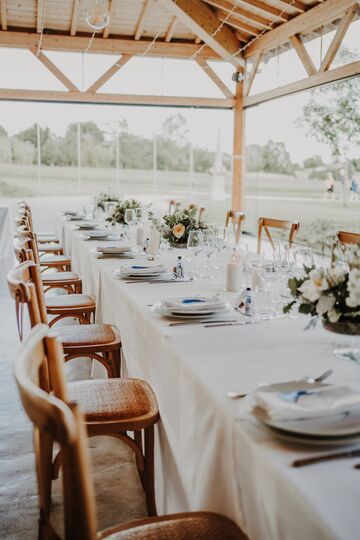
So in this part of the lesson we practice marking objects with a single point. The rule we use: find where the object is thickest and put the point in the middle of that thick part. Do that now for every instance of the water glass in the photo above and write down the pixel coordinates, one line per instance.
(195, 244)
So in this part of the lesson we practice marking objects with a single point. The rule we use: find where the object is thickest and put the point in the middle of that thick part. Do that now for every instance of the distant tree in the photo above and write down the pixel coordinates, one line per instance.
(5, 149)
(23, 152)
(313, 162)
(3, 132)
(175, 128)
(272, 157)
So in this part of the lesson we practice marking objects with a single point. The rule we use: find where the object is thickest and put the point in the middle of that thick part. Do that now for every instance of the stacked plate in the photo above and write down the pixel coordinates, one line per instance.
(87, 225)
(338, 425)
(73, 215)
(138, 272)
(122, 252)
(99, 234)
(194, 307)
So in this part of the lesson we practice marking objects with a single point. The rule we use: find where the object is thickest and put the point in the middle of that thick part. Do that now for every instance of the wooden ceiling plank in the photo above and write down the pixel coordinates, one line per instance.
(249, 82)
(197, 40)
(237, 23)
(267, 8)
(171, 30)
(111, 13)
(201, 20)
(39, 15)
(99, 45)
(314, 18)
(109, 73)
(300, 6)
(319, 79)
(214, 77)
(338, 38)
(241, 36)
(238, 11)
(14, 94)
(142, 20)
(74, 17)
(54, 70)
(3, 15)
(302, 53)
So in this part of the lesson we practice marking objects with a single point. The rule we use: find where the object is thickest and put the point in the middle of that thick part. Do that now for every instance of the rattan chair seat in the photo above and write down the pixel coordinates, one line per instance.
(70, 301)
(60, 276)
(58, 259)
(113, 399)
(190, 526)
(88, 334)
(49, 247)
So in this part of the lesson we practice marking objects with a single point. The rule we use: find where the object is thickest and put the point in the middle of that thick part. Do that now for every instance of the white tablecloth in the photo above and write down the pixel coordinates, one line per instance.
(208, 457)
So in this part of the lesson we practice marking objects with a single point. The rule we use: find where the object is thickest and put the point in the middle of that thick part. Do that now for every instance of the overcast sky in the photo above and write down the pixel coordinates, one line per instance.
(274, 120)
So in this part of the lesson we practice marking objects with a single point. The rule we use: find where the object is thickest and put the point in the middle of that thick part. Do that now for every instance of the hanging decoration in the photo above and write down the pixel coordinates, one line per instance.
(98, 17)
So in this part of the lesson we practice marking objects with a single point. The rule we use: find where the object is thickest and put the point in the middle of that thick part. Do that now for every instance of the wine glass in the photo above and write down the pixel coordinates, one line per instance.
(222, 243)
(209, 248)
(139, 215)
(130, 219)
(195, 244)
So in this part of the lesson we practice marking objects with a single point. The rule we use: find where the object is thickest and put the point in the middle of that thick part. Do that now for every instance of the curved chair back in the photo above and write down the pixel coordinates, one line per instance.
(269, 223)
(25, 235)
(237, 219)
(173, 206)
(55, 419)
(348, 237)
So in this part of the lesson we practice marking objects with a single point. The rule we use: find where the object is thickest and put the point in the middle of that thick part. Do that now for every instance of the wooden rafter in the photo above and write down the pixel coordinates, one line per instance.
(39, 15)
(338, 38)
(204, 23)
(302, 53)
(241, 36)
(197, 40)
(318, 79)
(237, 23)
(214, 77)
(115, 46)
(3, 15)
(300, 6)
(14, 94)
(54, 70)
(238, 11)
(109, 73)
(142, 20)
(74, 17)
(270, 10)
(310, 20)
(111, 13)
(249, 82)
(171, 30)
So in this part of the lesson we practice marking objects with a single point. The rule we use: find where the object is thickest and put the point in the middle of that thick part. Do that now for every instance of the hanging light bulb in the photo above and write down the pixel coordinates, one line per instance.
(98, 17)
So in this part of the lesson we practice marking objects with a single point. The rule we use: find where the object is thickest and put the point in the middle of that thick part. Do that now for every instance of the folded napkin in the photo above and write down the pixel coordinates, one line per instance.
(306, 403)
(142, 269)
(113, 249)
(197, 303)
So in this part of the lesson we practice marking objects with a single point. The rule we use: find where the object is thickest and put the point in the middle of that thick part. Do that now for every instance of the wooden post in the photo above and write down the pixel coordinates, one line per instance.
(238, 167)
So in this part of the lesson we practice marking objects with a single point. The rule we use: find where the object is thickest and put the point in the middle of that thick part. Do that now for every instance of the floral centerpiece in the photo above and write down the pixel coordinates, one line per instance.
(331, 293)
(118, 215)
(102, 198)
(177, 226)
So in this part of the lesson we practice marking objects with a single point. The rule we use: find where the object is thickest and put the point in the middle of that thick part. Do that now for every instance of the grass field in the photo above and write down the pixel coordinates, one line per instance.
(284, 197)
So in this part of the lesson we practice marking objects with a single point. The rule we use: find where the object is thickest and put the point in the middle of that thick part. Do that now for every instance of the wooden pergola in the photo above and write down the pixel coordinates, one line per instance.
(240, 32)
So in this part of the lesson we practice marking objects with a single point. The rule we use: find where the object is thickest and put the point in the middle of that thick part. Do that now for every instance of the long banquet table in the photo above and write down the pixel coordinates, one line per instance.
(208, 455)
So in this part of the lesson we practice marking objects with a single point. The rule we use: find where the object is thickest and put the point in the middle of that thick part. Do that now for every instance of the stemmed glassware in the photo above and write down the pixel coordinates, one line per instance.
(130, 219)
(222, 243)
(195, 244)
(209, 248)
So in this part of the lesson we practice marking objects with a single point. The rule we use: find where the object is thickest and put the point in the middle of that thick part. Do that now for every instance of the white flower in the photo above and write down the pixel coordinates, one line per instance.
(353, 287)
(313, 287)
(325, 304)
(337, 274)
(333, 315)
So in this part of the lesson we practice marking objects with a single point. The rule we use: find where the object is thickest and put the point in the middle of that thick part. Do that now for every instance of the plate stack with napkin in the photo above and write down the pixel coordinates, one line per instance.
(99, 234)
(122, 252)
(195, 307)
(138, 272)
(312, 413)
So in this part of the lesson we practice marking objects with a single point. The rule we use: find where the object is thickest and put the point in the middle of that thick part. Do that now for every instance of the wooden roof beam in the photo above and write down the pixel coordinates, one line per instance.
(3, 15)
(249, 81)
(241, 36)
(237, 23)
(39, 15)
(270, 10)
(200, 18)
(319, 79)
(214, 77)
(306, 22)
(141, 23)
(302, 53)
(117, 46)
(109, 73)
(338, 38)
(300, 6)
(238, 11)
(111, 13)
(74, 17)
(171, 30)
(54, 69)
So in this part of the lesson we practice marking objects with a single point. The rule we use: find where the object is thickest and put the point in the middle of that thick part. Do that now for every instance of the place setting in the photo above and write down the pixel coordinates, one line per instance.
(117, 252)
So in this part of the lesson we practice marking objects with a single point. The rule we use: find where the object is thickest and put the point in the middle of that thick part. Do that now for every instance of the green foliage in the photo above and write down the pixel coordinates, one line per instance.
(118, 215)
(312, 162)
(188, 218)
(102, 198)
(272, 157)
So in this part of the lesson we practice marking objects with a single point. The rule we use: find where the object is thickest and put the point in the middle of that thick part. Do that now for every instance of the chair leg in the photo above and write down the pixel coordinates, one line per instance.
(115, 362)
(138, 441)
(44, 468)
(149, 471)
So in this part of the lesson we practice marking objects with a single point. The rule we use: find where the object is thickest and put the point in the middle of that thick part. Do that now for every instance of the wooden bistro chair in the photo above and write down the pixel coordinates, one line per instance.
(348, 237)
(236, 219)
(61, 263)
(39, 369)
(45, 248)
(70, 282)
(173, 206)
(269, 223)
(96, 341)
(43, 238)
(77, 305)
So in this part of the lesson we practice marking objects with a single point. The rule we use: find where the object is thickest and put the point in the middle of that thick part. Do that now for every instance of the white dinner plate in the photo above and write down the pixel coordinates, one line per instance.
(114, 250)
(99, 234)
(87, 225)
(159, 310)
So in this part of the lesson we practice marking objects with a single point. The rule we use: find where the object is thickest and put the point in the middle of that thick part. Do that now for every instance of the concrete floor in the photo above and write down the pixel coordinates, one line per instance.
(118, 491)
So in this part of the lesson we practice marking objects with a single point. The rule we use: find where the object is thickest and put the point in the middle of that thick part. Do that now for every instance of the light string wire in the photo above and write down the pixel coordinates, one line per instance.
(38, 51)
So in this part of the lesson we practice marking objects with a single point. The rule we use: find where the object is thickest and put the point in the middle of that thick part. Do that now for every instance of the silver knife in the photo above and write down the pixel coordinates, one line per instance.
(326, 457)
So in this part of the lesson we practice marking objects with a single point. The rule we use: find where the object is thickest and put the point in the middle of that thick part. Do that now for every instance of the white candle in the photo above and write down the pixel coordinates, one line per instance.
(234, 273)
(154, 243)
(140, 235)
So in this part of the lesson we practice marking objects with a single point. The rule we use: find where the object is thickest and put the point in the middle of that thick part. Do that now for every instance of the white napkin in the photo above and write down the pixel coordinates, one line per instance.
(314, 402)
(200, 303)
(142, 269)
